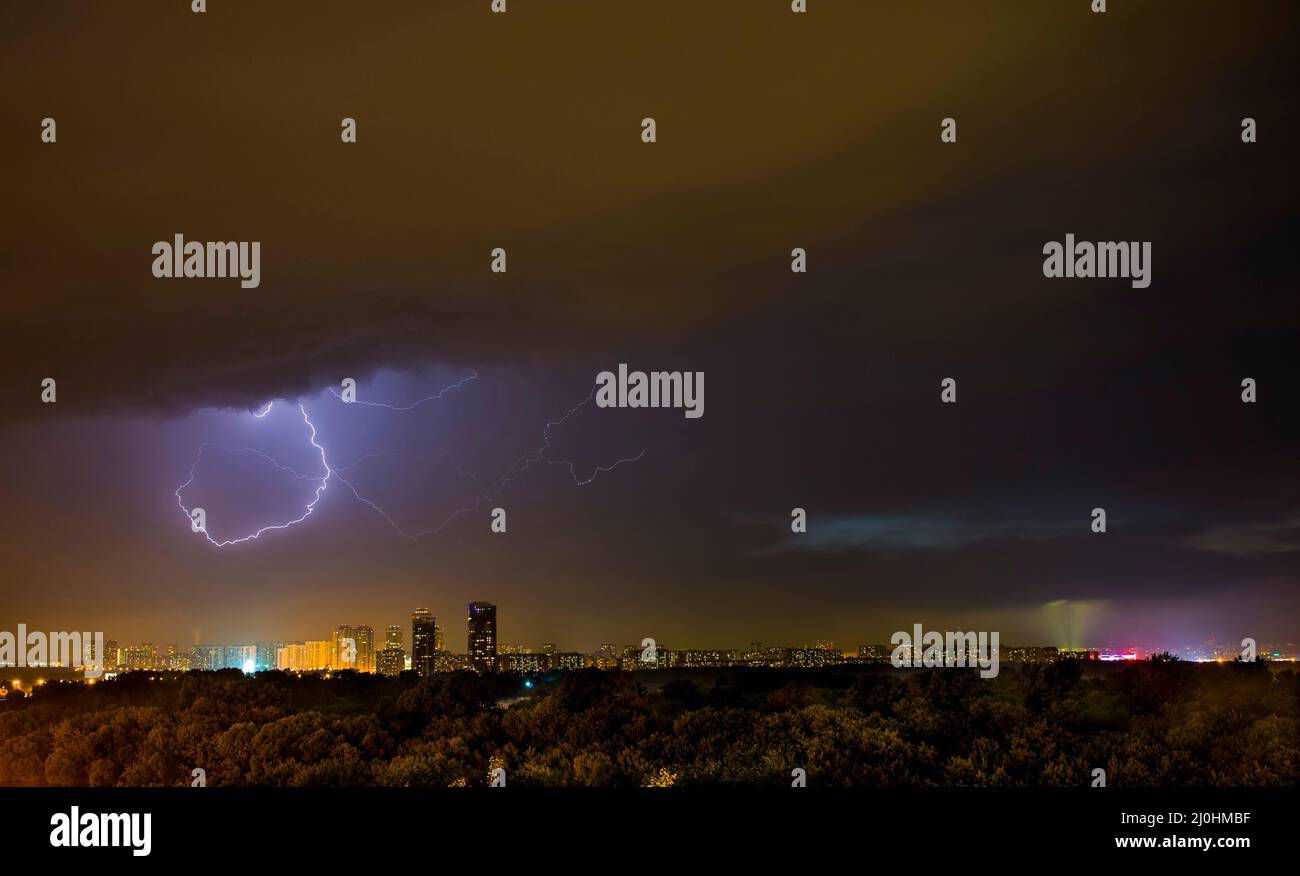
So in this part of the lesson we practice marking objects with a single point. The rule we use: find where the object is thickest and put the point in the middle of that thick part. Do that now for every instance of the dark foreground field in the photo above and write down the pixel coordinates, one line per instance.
(1165, 724)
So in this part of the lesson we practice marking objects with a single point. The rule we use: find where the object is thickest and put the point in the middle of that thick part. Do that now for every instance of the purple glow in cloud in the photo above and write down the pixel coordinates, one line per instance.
(486, 494)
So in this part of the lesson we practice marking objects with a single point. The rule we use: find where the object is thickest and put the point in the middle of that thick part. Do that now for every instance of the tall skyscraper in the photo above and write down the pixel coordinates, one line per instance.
(345, 653)
(439, 645)
(422, 641)
(365, 648)
(482, 624)
(393, 637)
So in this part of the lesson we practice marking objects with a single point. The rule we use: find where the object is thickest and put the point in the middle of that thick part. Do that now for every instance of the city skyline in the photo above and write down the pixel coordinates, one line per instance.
(482, 648)
(1059, 623)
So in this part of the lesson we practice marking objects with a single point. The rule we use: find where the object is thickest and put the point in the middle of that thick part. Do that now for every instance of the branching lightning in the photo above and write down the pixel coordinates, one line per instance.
(412, 405)
(311, 506)
(487, 492)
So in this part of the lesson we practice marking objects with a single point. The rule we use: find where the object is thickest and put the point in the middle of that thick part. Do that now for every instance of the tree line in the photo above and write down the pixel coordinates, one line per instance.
(1156, 723)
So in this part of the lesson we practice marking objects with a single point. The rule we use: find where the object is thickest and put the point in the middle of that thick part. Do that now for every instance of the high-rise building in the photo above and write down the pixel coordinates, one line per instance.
(525, 663)
(241, 657)
(812, 658)
(210, 657)
(482, 628)
(111, 658)
(354, 648)
(345, 649)
(439, 642)
(393, 637)
(89, 655)
(448, 662)
(607, 657)
(141, 657)
(365, 648)
(567, 661)
(391, 661)
(291, 657)
(319, 655)
(267, 653)
(176, 660)
(422, 641)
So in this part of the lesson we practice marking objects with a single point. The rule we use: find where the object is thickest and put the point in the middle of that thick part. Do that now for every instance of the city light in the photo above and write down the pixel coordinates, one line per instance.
(352, 647)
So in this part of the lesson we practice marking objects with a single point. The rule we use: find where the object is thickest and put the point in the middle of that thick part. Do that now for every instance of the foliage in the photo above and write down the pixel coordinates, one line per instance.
(1158, 723)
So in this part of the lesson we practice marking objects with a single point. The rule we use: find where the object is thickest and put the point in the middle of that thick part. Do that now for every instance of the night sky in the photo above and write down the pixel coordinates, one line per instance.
(775, 131)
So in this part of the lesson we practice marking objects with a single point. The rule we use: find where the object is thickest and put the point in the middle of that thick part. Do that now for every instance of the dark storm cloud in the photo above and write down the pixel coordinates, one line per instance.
(475, 132)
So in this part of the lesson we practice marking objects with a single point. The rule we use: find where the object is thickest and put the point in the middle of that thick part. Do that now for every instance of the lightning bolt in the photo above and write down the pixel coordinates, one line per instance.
(412, 405)
(539, 455)
(487, 493)
(311, 506)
